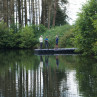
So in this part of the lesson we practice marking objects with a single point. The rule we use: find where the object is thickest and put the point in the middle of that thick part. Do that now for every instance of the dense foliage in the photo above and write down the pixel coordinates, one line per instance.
(28, 36)
(86, 73)
(19, 38)
(86, 28)
(67, 39)
(62, 32)
(60, 17)
(38, 29)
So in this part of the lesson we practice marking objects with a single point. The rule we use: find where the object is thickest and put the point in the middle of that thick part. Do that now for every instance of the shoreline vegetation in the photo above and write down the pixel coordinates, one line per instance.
(28, 36)
(81, 35)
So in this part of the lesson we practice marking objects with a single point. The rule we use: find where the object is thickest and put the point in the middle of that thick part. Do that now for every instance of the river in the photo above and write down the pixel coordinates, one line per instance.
(23, 74)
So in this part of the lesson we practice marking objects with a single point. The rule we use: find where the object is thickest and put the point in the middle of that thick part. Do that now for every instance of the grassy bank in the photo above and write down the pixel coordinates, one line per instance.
(64, 32)
(28, 36)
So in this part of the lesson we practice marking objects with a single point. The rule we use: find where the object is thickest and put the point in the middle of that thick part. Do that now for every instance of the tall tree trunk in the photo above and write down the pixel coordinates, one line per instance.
(39, 9)
(16, 15)
(55, 10)
(19, 11)
(22, 12)
(25, 4)
(5, 7)
(49, 11)
(1, 10)
(29, 11)
(12, 11)
(33, 18)
(43, 13)
(36, 6)
(8, 12)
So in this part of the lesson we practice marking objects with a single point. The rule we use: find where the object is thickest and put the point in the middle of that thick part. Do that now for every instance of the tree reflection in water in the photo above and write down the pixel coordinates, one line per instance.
(25, 75)
(52, 77)
(87, 76)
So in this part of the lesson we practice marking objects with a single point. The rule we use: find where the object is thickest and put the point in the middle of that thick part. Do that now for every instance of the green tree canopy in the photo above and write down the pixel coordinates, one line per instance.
(61, 17)
(86, 27)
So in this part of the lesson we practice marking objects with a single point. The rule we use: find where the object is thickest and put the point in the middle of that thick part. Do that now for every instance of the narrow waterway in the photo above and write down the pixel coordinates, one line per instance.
(23, 74)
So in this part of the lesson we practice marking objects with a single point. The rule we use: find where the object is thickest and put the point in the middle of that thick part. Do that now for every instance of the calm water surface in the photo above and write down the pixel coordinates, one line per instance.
(23, 74)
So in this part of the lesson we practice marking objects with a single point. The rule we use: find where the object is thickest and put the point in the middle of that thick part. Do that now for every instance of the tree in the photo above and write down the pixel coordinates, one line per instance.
(5, 12)
(22, 11)
(19, 11)
(56, 6)
(43, 13)
(86, 27)
(55, 9)
(25, 5)
(60, 17)
(12, 11)
(49, 11)
(1, 9)
(33, 11)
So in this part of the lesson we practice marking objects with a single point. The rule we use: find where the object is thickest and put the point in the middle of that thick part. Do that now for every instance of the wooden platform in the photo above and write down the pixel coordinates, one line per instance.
(55, 51)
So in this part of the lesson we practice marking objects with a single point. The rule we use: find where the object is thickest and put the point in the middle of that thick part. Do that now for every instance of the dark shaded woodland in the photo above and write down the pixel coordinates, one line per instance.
(30, 12)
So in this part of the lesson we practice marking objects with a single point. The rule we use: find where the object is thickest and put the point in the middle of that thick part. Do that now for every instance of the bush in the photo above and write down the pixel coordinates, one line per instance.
(3, 34)
(27, 37)
(67, 40)
(59, 30)
(24, 38)
(38, 30)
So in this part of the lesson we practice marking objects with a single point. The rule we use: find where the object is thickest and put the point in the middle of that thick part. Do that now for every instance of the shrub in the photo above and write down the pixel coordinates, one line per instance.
(38, 30)
(51, 33)
(67, 40)
(3, 34)
(27, 38)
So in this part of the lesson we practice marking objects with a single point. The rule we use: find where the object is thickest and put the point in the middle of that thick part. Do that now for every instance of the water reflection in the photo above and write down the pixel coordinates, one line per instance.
(52, 78)
(46, 61)
(87, 76)
(24, 75)
(41, 62)
(57, 61)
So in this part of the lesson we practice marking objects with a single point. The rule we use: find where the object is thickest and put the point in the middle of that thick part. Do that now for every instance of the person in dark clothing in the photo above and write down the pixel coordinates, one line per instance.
(46, 42)
(57, 39)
